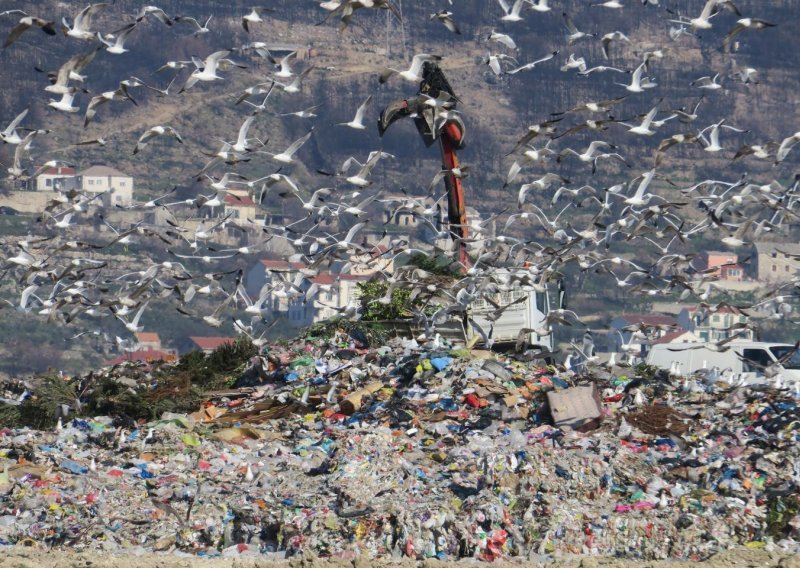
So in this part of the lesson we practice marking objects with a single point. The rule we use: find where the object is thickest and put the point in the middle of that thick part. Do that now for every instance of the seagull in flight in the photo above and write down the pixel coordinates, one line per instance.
(254, 17)
(447, 20)
(80, 27)
(26, 22)
(574, 33)
(156, 12)
(206, 70)
(512, 12)
(10, 135)
(153, 132)
(358, 121)
(531, 65)
(117, 47)
(505, 39)
(287, 156)
(414, 73)
(198, 29)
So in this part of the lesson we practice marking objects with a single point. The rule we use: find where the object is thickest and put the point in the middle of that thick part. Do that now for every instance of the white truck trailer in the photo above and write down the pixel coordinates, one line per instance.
(749, 358)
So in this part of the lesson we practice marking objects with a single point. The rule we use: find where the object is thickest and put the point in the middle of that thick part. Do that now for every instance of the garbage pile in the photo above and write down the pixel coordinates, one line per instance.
(411, 449)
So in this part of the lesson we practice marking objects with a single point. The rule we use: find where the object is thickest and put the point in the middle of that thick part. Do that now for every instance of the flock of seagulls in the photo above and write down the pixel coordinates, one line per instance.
(580, 192)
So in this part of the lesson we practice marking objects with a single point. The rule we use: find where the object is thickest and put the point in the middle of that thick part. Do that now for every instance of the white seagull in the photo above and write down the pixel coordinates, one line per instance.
(10, 135)
(512, 13)
(157, 130)
(253, 17)
(286, 157)
(358, 121)
(117, 47)
(414, 73)
(80, 27)
(206, 70)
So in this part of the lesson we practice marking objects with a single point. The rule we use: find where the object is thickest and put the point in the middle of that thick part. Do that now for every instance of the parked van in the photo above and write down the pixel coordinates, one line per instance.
(750, 357)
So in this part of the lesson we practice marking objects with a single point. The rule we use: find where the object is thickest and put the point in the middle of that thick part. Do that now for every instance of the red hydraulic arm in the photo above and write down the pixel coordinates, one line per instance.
(449, 139)
(450, 135)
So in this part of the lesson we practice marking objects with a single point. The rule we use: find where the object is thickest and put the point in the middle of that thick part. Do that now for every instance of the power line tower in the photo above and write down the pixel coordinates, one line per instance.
(390, 29)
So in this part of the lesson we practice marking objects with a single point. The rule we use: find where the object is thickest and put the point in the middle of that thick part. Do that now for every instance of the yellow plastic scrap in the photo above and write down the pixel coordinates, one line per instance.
(190, 440)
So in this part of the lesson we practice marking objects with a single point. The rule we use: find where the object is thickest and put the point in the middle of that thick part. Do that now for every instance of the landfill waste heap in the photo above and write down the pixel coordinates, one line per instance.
(346, 445)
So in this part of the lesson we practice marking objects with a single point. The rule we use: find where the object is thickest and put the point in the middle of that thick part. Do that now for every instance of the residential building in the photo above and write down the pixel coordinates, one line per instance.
(718, 325)
(148, 340)
(776, 262)
(240, 206)
(99, 179)
(723, 265)
(61, 178)
(288, 286)
(623, 331)
(265, 272)
(678, 336)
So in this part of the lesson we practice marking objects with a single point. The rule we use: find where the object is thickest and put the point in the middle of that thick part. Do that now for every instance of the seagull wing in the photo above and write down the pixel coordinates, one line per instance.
(362, 109)
(297, 143)
(533, 64)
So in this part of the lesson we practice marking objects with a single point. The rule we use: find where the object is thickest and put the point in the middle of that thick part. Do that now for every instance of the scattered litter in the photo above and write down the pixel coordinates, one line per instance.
(400, 449)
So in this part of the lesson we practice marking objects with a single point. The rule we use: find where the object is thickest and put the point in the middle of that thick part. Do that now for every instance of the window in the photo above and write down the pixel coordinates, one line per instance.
(786, 268)
(756, 359)
(774, 268)
(774, 255)
(48, 182)
(122, 184)
(90, 182)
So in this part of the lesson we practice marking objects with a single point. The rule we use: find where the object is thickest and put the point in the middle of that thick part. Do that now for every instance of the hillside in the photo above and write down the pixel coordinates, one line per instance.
(343, 68)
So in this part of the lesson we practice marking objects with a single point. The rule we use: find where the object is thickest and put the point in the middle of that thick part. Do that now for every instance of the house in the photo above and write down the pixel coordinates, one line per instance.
(776, 262)
(240, 206)
(336, 291)
(206, 344)
(98, 179)
(678, 336)
(288, 285)
(658, 326)
(62, 178)
(715, 326)
(265, 270)
(148, 340)
(723, 265)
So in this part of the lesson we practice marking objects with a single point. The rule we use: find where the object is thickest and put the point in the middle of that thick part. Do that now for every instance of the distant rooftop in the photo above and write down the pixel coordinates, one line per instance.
(59, 171)
(146, 355)
(649, 319)
(210, 342)
(271, 264)
(239, 201)
(771, 247)
(147, 336)
(102, 171)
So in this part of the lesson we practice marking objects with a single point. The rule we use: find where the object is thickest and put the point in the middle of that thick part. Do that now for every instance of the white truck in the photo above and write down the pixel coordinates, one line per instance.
(746, 358)
(529, 313)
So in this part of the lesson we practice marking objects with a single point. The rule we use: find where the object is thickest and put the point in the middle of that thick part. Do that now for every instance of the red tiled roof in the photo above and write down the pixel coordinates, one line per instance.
(239, 201)
(211, 342)
(721, 310)
(324, 278)
(147, 355)
(649, 319)
(281, 264)
(148, 336)
(670, 337)
(60, 171)
(354, 276)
